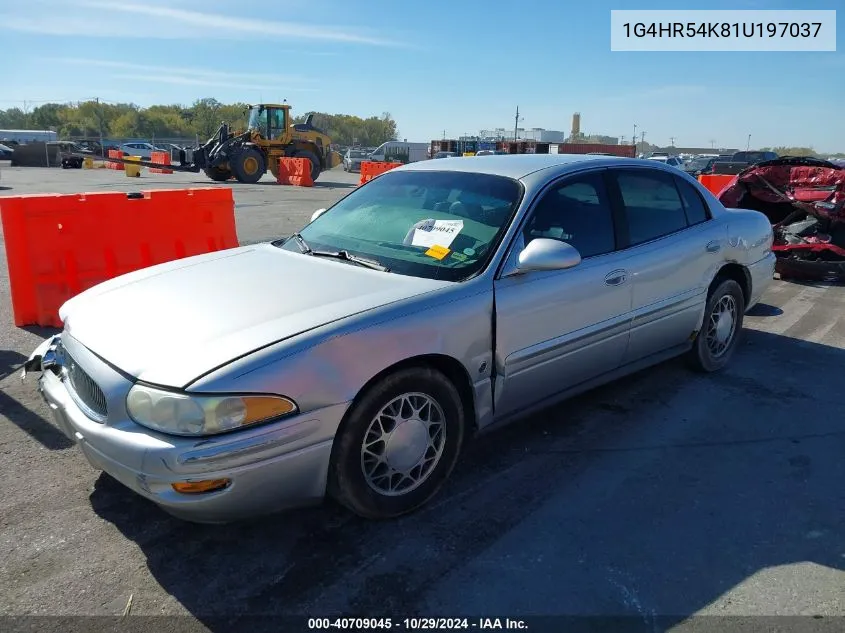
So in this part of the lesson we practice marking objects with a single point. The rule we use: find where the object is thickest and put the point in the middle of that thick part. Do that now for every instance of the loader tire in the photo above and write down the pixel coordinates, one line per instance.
(315, 163)
(249, 165)
(218, 175)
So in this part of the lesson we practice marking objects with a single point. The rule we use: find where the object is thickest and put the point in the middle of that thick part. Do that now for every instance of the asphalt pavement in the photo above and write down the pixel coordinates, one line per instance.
(665, 495)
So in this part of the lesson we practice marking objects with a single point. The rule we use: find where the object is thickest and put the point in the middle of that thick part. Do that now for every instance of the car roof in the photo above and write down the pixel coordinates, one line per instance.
(516, 165)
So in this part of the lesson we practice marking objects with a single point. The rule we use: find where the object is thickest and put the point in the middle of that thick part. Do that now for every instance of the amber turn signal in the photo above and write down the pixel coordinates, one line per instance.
(199, 487)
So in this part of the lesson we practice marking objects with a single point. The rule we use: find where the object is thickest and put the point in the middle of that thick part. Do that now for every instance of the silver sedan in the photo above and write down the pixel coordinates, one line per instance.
(354, 358)
(352, 160)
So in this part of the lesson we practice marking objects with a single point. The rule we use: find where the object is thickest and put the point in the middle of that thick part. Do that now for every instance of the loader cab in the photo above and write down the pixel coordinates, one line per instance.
(270, 121)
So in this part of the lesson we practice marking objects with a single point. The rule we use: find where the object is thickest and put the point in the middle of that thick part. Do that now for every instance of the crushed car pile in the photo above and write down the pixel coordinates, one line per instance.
(804, 199)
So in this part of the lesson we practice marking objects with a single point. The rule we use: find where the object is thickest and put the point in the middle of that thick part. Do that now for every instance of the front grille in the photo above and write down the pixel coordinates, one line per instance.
(85, 391)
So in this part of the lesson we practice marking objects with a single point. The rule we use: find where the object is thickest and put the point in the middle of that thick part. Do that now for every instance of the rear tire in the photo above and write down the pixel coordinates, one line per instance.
(716, 342)
(248, 165)
(398, 445)
(218, 175)
(315, 162)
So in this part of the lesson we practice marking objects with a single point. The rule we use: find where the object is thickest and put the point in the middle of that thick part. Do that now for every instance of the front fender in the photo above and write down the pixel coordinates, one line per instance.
(332, 364)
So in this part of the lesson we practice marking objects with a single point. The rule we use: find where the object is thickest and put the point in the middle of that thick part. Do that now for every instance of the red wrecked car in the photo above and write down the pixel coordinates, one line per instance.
(804, 199)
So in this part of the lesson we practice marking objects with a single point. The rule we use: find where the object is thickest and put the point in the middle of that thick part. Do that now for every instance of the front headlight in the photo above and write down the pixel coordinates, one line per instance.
(188, 414)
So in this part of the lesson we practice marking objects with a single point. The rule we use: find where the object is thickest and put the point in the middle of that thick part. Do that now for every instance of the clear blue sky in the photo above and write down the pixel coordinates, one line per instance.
(458, 66)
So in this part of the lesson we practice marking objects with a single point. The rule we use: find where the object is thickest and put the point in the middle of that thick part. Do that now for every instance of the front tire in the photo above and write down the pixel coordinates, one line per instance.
(723, 317)
(218, 175)
(249, 165)
(398, 445)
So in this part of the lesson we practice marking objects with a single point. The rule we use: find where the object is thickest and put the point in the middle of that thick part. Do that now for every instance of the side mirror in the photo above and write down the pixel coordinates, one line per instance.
(317, 214)
(543, 253)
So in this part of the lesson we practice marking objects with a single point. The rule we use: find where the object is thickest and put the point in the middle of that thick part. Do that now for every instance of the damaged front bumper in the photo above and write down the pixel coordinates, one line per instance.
(267, 468)
(43, 357)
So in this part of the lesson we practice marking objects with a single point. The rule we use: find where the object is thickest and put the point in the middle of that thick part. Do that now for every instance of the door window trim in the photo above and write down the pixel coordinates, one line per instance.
(708, 215)
(502, 269)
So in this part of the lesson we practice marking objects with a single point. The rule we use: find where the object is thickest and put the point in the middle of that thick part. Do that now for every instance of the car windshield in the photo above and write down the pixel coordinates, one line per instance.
(357, 154)
(434, 224)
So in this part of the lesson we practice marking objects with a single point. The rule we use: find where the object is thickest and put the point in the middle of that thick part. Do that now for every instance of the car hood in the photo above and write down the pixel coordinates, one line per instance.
(171, 323)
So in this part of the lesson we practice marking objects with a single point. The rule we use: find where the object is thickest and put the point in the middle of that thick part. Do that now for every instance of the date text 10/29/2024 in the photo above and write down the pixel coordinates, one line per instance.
(416, 624)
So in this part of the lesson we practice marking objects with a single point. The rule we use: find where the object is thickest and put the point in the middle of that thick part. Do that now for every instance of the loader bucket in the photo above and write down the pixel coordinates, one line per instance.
(334, 159)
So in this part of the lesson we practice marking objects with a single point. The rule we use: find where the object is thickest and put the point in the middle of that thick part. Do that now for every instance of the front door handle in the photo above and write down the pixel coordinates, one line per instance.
(714, 246)
(616, 278)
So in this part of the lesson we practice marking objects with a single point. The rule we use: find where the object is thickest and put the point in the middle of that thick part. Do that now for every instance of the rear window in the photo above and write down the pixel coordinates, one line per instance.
(653, 206)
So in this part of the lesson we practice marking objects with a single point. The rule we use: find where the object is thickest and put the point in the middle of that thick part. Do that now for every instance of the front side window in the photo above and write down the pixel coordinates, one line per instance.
(434, 224)
(577, 212)
(652, 205)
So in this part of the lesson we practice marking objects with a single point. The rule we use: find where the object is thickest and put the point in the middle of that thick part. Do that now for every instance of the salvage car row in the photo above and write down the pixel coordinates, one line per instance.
(430, 304)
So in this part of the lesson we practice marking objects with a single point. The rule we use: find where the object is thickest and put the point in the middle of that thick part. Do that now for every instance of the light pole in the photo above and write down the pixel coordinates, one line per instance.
(635, 137)
(748, 143)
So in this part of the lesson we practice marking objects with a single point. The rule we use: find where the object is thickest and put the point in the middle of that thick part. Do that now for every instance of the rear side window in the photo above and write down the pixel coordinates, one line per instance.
(693, 204)
(653, 206)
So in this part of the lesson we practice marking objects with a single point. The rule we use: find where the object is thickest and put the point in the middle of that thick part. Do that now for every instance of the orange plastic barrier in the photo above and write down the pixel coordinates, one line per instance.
(715, 183)
(295, 171)
(370, 169)
(115, 153)
(162, 158)
(59, 245)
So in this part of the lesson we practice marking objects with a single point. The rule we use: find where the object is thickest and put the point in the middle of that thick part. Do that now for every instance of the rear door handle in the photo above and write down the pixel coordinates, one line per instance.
(616, 278)
(714, 246)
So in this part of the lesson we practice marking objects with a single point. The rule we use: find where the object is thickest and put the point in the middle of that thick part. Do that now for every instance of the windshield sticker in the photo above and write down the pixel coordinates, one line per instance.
(469, 252)
(459, 256)
(431, 232)
(437, 251)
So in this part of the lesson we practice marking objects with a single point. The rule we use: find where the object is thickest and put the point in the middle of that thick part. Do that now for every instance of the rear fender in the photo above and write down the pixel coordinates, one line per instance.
(750, 236)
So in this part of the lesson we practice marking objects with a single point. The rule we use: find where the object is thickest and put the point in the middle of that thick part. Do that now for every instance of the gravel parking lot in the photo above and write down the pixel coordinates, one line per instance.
(666, 494)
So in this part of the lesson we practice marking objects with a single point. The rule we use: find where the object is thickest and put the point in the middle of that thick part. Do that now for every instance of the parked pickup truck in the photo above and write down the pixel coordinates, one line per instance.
(741, 160)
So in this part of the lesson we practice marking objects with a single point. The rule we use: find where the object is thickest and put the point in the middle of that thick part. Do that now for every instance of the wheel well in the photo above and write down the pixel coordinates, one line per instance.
(449, 367)
(739, 274)
(308, 146)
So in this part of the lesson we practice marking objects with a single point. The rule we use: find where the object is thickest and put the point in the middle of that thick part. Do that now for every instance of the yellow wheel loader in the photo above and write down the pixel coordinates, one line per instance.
(246, 156)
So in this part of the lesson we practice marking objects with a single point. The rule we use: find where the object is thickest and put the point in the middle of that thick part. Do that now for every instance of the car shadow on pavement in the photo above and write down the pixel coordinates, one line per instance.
(27, 420)
(335, 185)
(649, 499)
(764, 310)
